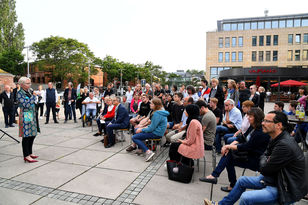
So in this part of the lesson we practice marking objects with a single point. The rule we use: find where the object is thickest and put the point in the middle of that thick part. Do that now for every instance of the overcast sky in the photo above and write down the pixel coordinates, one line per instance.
(170, 33)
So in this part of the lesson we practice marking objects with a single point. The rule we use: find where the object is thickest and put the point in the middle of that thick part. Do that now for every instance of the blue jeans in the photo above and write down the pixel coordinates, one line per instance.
(229, 138)
(263, 194)
(140, 137)
(220, 131)
(109, 131)
(89, 111)
(171, 124)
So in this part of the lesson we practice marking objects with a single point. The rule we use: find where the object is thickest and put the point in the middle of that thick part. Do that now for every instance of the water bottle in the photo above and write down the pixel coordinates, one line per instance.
(301, 113)
(297, 110)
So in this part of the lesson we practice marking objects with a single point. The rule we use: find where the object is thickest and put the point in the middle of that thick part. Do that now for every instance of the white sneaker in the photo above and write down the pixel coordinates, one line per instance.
(148, 156)
(41, 118)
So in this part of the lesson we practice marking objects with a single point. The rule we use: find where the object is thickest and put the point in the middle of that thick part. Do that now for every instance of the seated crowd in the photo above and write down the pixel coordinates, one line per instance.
(194, 121)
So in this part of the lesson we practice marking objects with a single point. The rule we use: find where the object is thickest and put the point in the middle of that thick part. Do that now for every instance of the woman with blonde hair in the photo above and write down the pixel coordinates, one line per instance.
(232, 92)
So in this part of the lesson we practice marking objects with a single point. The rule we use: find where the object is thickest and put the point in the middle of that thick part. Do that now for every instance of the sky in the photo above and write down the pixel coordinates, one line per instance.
(170, 33)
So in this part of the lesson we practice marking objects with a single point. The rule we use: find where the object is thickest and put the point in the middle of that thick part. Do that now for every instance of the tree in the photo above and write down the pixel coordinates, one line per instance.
(11, 38)
(64, 58)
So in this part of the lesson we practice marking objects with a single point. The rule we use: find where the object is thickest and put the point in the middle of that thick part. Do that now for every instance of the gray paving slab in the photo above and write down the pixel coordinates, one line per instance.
(14, 197)
(100, 147)
(54, 152)
(4, 157)
(78, 142)
(101, 182)
(86, 157)
(16, 149)
(5, 142)
(127, 162)
(50, 140)
(16, 166)
(52, 175)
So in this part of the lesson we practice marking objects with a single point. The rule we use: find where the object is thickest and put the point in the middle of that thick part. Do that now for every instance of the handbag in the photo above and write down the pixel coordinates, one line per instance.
(240, 156)
(177, 171)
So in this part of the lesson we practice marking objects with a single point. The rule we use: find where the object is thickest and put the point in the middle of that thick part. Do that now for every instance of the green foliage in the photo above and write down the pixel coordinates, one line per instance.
(11, 61)
(64, 58)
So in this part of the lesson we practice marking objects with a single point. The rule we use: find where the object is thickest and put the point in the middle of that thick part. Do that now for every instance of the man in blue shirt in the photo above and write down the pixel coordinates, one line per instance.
(232, 122)
(279, 107)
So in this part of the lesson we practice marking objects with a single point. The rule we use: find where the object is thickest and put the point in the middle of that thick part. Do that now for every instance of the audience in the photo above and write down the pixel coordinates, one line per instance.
(232, 92)
(254, 97)
(217, 112)
(279, 107)
(217, 92)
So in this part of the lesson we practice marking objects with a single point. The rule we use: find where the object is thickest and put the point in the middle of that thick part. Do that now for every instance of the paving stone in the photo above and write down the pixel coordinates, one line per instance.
(82, 201)
(94, 198)
(75, 200)
(121, 199)
(101, 200)
(128, 200)
(87, 197)
(74, 195)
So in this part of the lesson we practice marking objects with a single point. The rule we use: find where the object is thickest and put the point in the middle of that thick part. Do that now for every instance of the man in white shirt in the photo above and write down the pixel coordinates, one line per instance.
(129, 95)
(90, 103)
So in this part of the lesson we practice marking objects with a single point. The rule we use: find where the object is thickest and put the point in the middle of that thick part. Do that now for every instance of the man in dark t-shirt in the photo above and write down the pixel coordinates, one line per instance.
(217, 112)
(143, 110)
(159, 92)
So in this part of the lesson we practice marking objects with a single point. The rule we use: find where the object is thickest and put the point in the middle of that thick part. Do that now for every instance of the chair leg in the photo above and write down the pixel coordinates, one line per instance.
(211, 194)
(243, 171)
(198, 165)
(213, 158)
(204, 167)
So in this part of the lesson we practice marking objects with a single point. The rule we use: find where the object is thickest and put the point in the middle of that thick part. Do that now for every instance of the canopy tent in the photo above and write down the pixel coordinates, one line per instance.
(289, 83)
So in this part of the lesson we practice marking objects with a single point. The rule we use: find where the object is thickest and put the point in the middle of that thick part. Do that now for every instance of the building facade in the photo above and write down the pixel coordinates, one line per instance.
(260, 48)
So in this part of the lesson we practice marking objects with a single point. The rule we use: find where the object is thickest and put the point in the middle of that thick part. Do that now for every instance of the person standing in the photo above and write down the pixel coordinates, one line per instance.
(28, 124)
(232, 92)
(108, 91)
(244, 94)
(217, 92)
(205, 92)
(41, 100)
(70, 96)
(51, 100)
(15, 90)
(262, 95)
(7, 98)
(254, 97)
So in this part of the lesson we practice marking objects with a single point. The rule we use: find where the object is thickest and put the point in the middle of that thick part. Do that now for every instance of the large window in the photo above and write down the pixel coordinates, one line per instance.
(254, 56)
(290, 55)
(275, 55)
(305, 55)
(221, 42)
(254, 25)
(261, 40)
(227, 42)
(240, 26)
(298, 38)
(240, 41)
(268, 56)
(268, 24)
(282, 24)
(254, 41)
(275, 43)
(297, 55)
(214, 73)
(220, 57)
(274, 24)
(233, 27)
(305, 40)
(297, 22)
(261, 56)
(268, 40)
(227, 57)
(226, 27)
(304, 22)
(240, 56)
(233, 41)
(261, 25)
(233, 56)
(247, 26)
(290, 23)
(290, 39)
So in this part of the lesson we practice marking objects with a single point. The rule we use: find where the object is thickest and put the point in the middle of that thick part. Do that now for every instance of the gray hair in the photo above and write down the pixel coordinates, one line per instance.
(118, 98)
(230, 100)
(23, 80)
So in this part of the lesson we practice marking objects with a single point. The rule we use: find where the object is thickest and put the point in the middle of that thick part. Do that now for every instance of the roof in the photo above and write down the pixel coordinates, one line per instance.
(2, 72)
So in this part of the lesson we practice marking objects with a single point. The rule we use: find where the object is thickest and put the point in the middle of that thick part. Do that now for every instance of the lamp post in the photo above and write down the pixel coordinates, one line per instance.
(121, 91)
(137, 76)
(89, 77)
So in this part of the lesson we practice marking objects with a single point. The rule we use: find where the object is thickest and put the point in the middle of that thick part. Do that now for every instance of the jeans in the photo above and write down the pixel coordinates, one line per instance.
(220, 131)
(171, 124)
(109, 131)
(228, 162)
(229, 138)
(69, 109)
(263, 194)
(90, 111)
(140, 137)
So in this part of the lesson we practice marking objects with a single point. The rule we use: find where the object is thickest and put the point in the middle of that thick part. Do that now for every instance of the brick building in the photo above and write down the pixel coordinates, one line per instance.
(6, 79)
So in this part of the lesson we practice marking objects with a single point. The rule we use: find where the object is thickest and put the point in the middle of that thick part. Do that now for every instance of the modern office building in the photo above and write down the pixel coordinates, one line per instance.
(267, 49)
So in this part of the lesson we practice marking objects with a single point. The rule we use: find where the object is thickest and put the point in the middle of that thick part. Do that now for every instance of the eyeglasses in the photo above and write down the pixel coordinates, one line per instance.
(268, 121)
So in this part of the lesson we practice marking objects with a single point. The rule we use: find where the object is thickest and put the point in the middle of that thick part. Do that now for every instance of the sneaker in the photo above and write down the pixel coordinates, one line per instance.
(41, 118)
(149, 155)
(130, 148)
(208, 202)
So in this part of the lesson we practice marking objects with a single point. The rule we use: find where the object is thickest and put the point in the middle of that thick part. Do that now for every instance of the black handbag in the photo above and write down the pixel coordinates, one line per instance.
(240, 156)
(177, 171)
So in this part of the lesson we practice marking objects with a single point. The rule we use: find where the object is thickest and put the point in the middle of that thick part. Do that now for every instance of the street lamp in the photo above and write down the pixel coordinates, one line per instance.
(28, 70)
(121, 91)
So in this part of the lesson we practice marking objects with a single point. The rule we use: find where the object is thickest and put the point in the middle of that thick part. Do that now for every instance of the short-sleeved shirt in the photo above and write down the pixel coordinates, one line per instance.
(91, 105)
(209, 121)
(217, 113)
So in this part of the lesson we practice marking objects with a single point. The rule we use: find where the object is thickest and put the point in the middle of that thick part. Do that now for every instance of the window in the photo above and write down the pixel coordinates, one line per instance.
(290, 55)
(233, 27)
(221, 42)
(290, 23)
(246, 26)
(254, 56)
(233, 56)
(261, 25)
(297, 55)
(282, 24)
(240, 56)
(220, 69)
(275, 40)
(260, 56)
(274, 24)
(298, 38)
(233, 41)
(226, 27)
(254, 41)
(275, 55)
(305, 55)
(214, 71)
(290, 39)
(254, 25)
(261, 40)
(240, 41)
(268, 24)
(297, 22)
(304, 22)
(38, 80)
(268, 56)
(220, 57)
(227, 57)
(268, 40)
(227, 42)
(240, 26)
(305, 41)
